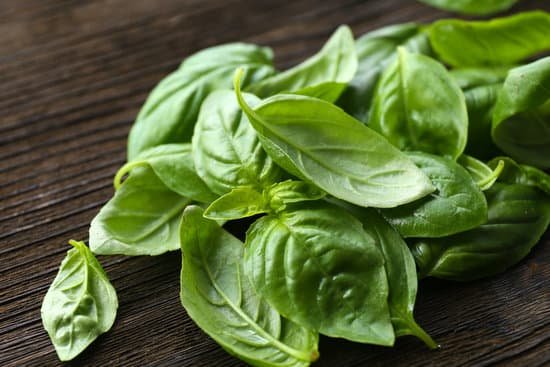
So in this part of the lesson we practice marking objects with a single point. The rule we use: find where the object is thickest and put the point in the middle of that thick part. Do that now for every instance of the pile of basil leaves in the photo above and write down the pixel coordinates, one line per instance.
(413, 151)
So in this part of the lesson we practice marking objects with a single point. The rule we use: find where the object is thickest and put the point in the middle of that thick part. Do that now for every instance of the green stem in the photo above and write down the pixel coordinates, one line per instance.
(492, 177)
(117, 181)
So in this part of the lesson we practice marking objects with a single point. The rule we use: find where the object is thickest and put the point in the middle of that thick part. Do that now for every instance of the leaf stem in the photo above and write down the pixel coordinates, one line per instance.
(117, 181)
(483, 184)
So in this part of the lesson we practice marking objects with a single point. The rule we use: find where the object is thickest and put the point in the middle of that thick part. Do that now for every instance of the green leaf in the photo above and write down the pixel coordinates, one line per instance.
(375, 51)
(500, 41)
(170, 112)
(521, 117)
(142, 218)
(324, 75)
(317, 266)
(218, 297)
(80, 304)
(481, 173)
(243, 202)
(319, 143)
(514, 173)
(472, 7)
(418, 106)
(173, 165)
(226, 148)
(457, 197)
(518, 217)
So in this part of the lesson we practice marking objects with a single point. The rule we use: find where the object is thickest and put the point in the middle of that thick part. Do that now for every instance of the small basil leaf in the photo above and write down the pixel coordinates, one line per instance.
(142, 218)
(472, 7)
(319, 143)
(226, 149)
(414, 117)
(287, 192)
(457, 197)
(501, 41)
(468, 78)
(170, 112)
(218, 297)
(375, 51)
(317, 266)
(518, 216)
(323, 75)
(241, 202)
(514, 173)
(80, 304)
(481, 173)
(521, 117)
(173, 165)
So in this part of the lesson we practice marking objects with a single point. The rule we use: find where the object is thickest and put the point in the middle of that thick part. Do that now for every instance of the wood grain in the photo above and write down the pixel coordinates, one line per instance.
(73, 75)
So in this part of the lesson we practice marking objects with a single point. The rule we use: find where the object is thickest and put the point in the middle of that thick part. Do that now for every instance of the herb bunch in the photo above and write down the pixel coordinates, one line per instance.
(412, 151)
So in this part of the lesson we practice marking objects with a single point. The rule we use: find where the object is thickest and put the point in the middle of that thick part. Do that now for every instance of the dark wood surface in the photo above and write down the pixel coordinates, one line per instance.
(73, 75)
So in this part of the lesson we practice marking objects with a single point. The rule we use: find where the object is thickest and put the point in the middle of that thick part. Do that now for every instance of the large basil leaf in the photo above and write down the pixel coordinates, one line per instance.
(521, 118)
(501, 41)
(481, 173)
(173, 165)
(518, 217)
(418, 106)
(514, 173)
(218, 297)
(472, 7)
(226, 148)
(457, 197)
(80, 304)
(170, 112)
(142, 218)
(321, 144)
(375, 51)
(316, 265)
(401, 273)
(324, 75)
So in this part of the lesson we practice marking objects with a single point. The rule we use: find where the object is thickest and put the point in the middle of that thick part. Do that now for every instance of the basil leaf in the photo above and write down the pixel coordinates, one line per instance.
(514, 173)
(401, 272)
(521, 118)
(472, 7)
(319, 143)
(173, 165)
(469, 78)
(501, 41)
(457, 197)
(481, 173)
(323, 75)
(80, 304)
(518, 217)
(222, 302)
(226, 148)
(243, 202)
(142, 218)
(317, 266)
(375, 51)
(414, 117)
(170, 112)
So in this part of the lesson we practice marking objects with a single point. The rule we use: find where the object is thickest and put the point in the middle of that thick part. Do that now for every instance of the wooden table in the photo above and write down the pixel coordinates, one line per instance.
(73, 76)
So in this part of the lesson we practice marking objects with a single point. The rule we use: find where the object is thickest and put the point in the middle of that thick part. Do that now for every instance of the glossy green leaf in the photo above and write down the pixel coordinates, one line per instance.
(324, 75)
(469, 78)
(457, 197)
(321, 144)
(401, 272)
(521, 117)
(226, 149)
(218, 297)
(501, 41)
(316, 265)
(481, 173)
(142, 218)
(80, 304)
(171, 110)
(173, 165)
(413, 116)
(518, 216)
(472, 7)
(375, 51)
(514, 173)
